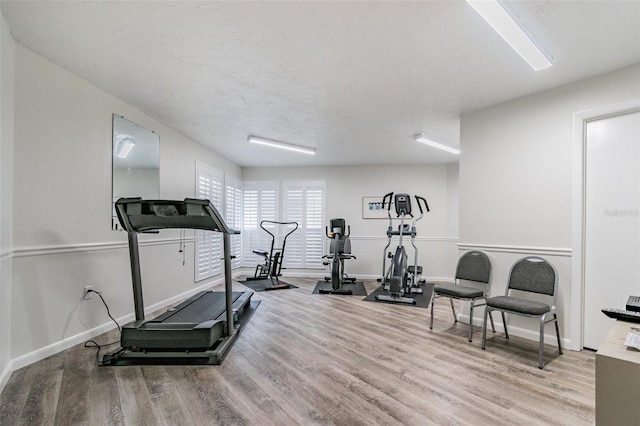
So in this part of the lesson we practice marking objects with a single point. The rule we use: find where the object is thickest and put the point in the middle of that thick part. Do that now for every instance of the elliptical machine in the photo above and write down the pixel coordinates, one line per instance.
(272, 263)
(339, 251)
(401, 279)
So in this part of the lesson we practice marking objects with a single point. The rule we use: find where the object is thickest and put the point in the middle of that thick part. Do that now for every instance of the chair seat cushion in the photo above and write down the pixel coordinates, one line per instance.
(515, 304)
(457, 291)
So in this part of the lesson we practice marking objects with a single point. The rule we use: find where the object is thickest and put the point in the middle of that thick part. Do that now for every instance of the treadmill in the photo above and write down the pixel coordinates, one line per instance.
(200, 330)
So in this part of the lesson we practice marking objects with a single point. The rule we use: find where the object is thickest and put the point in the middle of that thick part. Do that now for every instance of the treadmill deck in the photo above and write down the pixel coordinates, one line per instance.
(197, 323)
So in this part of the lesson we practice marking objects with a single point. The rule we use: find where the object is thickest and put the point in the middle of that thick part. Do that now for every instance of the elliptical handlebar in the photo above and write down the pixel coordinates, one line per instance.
(418, 199)
(390, 197)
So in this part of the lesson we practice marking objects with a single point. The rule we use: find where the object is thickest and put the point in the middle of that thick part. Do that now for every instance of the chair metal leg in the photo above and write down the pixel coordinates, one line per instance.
(558, 334)
(471, 321)
(487, 311)
(504, 322)
(493, 326)
(455, 318)
(433, 299)
(541, 347)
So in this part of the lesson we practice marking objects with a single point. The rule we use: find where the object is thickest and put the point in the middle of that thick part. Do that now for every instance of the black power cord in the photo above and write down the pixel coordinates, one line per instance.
(92, 343)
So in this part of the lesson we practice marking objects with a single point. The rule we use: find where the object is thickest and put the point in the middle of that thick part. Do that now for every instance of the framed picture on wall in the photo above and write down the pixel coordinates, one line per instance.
(374, 208)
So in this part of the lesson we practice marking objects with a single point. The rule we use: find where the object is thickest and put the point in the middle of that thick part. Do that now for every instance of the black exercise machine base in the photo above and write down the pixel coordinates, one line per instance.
(423, 300)
(266, 284)
(209, 356)
(342, 291)
(356, 288)
(395, 299)
(281, 286)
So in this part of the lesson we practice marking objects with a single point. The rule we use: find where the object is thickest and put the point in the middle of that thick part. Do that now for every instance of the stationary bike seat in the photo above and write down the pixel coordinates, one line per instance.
(261, 252)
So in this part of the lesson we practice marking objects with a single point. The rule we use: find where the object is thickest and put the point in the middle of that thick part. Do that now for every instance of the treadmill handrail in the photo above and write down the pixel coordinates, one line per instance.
(153, 215)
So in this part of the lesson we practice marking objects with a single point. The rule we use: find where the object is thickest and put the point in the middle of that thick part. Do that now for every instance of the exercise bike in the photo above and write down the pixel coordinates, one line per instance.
(272, 264)
(339, 251)
(401, 279)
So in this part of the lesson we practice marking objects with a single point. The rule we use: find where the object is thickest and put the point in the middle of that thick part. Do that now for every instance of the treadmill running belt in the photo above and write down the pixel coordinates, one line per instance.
(205, 306)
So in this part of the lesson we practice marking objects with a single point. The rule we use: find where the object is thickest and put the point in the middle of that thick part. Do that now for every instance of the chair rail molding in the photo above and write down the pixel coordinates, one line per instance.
(81, 248)
(543, 251)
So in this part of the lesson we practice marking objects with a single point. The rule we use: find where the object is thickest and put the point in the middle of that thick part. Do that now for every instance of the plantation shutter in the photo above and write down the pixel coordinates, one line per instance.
(304, 203)
(208, 243)
(259, 203)
(233, 217)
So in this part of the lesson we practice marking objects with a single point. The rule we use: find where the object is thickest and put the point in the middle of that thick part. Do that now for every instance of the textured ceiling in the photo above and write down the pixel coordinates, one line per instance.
(356, 80)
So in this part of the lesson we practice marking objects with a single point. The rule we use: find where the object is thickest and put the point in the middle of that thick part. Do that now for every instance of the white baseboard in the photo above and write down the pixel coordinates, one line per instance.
(54, 348)
(4, 376)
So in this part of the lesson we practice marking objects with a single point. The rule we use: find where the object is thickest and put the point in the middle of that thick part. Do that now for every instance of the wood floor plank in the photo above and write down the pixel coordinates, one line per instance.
(105, 407)
(165, 396)
(41, 404)
(320, 360)
(15, 394)
(73, 402)
(137, 407)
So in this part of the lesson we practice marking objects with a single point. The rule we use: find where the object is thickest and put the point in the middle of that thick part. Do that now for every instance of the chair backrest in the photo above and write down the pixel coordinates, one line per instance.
(533, 274)
(474, 266)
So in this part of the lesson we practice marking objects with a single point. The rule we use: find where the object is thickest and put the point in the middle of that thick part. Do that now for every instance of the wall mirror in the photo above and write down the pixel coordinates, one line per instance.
(136, 163)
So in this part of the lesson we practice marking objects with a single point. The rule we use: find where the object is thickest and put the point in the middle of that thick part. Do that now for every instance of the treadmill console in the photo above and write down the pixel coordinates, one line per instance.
(138, 215)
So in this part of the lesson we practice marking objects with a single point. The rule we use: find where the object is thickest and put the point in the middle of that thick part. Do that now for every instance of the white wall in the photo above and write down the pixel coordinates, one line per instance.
(516, 179)
(345, 187)
(62, 211)
(7, 62)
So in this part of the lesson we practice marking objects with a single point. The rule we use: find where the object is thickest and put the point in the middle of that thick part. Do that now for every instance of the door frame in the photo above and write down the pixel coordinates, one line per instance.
(578, 231)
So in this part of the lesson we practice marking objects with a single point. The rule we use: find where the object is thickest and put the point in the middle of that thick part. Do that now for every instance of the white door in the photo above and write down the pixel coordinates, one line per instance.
(612, 225)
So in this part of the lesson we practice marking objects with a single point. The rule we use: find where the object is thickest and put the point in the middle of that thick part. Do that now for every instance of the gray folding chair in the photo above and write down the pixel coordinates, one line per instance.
(472, 266)
(531, 274)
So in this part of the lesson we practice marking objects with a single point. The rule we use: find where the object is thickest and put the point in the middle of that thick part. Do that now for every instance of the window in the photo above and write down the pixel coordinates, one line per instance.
(304, 203)
(208, 243)
(259, 203)
(233, 217)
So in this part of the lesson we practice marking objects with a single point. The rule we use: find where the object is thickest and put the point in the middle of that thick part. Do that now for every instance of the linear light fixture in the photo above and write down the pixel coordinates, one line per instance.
(125, 145)
(281, 145)
(512, 32)
(435, 142)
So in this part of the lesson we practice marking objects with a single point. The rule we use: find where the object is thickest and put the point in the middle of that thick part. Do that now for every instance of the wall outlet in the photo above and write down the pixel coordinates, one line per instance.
(86, 295)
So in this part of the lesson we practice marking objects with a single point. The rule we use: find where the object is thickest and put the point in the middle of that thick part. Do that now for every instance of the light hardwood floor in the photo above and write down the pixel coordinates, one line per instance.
(319, 359)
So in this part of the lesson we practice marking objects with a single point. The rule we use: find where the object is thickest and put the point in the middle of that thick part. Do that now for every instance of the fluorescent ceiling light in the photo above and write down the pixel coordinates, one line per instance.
(125, 145)
(281, 145)
(512, 32)
(435, 142)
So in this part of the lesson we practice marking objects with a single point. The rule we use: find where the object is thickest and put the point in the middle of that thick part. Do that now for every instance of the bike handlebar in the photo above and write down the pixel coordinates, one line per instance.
(279, 223)
(346, 234)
